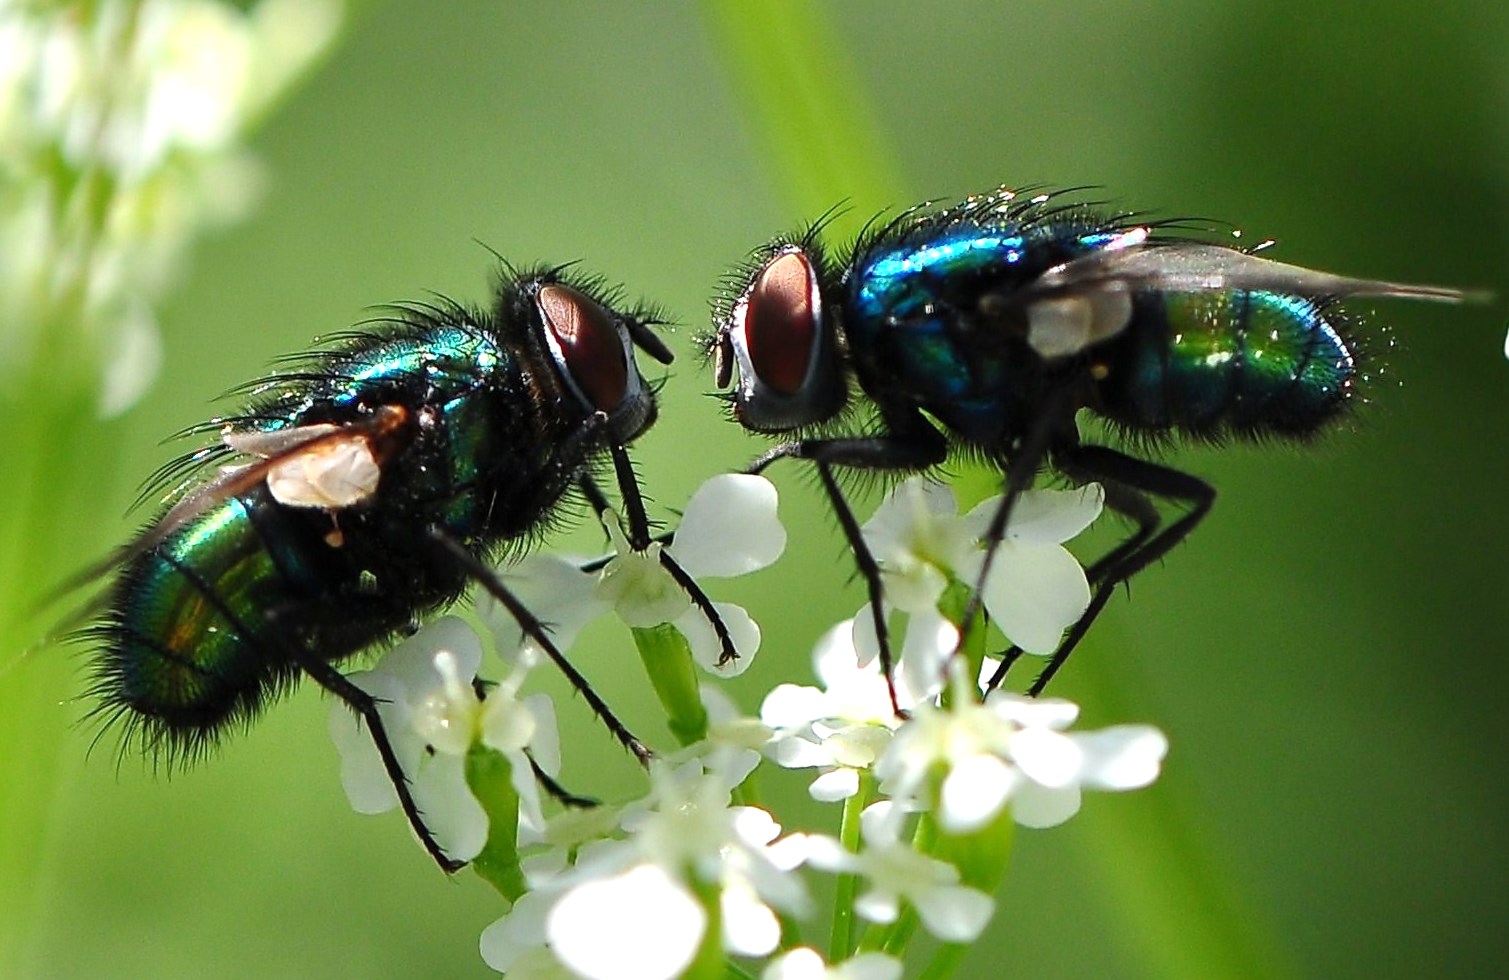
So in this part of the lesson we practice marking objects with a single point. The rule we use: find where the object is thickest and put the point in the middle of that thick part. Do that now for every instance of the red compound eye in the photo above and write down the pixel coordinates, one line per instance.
(588, 345)
(780, 322)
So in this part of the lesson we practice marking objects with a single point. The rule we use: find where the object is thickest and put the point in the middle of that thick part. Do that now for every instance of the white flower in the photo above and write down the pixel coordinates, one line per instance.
(840, 728)
(433, 717)
(683, 841)
(729, 528)
(895, 872)
(804, 963)
(1011, 749)
(1036, 588)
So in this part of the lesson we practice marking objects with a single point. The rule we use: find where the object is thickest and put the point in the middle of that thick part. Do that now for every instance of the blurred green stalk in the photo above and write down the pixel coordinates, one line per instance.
(823, 141)
(58, 453)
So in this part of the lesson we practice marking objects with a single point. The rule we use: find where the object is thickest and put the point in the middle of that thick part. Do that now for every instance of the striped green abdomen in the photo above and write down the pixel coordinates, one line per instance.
(1239, 362)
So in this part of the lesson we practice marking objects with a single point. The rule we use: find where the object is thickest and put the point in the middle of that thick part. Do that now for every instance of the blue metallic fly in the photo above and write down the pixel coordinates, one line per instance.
(982, 330)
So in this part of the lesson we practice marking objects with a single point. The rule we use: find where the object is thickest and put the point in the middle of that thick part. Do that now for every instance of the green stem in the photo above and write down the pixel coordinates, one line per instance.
(489, 775)
(668, 661)
(944, 962)
(710, 963)
(952, 605)
(841, 943)
(893, 939)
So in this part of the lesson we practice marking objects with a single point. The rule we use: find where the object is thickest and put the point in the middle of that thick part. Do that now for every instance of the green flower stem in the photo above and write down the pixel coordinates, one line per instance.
(952, 604)
(841, 943)
(52, 523)
(944, 962)
(489, 775)
(982, 858)
(710, 963)
(893, 939)
(668, 661)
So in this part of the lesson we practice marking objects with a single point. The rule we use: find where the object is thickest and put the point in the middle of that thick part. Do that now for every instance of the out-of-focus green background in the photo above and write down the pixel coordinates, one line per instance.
(1327, 654)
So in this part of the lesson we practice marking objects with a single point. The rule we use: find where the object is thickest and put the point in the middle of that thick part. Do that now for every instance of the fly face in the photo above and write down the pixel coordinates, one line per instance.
(780, 338)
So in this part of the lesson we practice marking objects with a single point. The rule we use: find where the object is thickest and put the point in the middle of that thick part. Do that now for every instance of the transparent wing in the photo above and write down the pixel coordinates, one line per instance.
(1199, 266)
(1088, 299)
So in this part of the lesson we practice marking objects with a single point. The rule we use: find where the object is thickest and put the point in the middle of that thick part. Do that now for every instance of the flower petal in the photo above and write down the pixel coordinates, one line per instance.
(1041, 806)
(1056, 713)
(916, 504)
(1043, 516)
(518, 933)
(1048, 758)
(750, 928)
(1034, 593)
(876, 905)
(545, 747)
(858, 746)
(729, 527)
(954, 913)
(930, 639)
(1123, 756)
(868, 966)
(835, 785)
(800, 753)
(412, 662)
(555, 590)
(792, 706)
(802, 963)
(641, 590)
(703, 640)
(829, 854)
(451, 813)
(862, 633)
(638, 925)
(507, 724)
(973, 792)
(366, 782)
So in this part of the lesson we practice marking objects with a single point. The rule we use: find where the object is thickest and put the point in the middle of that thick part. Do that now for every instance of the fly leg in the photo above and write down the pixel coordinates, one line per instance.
(1137, 478)
(365, 706)
(914, 446)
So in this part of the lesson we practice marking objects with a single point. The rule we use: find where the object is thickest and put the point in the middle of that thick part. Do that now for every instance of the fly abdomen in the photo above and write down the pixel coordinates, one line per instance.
(203, 627)
(1236, 362)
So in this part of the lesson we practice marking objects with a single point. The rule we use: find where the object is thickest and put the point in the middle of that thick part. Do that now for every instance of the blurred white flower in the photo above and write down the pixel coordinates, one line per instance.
(729, 528)
(1036, 588)
(119, 130)
(433, 717)
(804, 963)
(1011, 749)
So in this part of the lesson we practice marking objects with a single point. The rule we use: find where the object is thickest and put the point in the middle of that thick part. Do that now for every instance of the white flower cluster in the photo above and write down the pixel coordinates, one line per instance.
(119, 130)
(692, 873)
